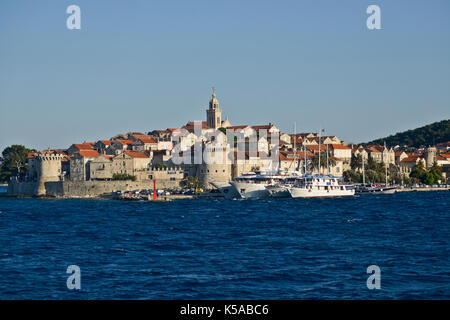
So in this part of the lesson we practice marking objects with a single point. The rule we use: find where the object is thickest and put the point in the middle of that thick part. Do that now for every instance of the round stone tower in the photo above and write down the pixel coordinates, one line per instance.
(430, 156)
(217, 169)
(48, 167)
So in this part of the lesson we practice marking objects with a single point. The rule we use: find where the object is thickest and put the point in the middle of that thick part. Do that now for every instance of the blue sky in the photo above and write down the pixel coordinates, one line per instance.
(143, 65)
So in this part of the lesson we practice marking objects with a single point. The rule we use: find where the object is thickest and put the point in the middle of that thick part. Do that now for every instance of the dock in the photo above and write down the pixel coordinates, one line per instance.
(420, 189)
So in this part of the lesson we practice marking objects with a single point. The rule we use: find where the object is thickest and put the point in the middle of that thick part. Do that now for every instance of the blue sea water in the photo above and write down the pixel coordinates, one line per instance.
(227, 249)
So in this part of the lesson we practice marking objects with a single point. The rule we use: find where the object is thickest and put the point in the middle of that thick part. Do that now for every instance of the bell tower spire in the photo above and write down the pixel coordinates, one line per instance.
(214, 114)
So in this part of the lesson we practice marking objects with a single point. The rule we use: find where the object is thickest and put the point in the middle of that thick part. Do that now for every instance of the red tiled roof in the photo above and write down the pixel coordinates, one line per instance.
(106, 142)
(89, 153)
(125, 142)
(147, 139)
(315, 147)
(135, 154)
(289, 155)
(340, 146)
(237, 127)
(411, 158)
(84, 146)
(264, 126)
(191, 125)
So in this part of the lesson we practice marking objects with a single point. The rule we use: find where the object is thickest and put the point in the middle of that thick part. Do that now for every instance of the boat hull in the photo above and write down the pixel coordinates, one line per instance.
(279, 192)
(226, 189)
(380, 190)
(251, 190)
(310, 193)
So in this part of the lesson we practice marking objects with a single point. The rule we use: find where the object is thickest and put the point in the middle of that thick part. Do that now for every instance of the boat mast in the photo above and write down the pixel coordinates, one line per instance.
(319, 151)
(328, 164)
(304, 153)
(362, 160)
(385, 163)
(295, 143)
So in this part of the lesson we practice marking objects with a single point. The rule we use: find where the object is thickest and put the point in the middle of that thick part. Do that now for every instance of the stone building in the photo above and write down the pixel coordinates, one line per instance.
(80, 164)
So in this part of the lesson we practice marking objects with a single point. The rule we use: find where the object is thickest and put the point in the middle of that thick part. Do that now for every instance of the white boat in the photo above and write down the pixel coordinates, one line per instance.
(252, 186)
(320, 186)
(376, 188)
(226, 189)
(278, 191)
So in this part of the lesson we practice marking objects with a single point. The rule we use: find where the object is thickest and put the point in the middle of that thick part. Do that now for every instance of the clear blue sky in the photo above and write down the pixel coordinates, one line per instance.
(143, 65)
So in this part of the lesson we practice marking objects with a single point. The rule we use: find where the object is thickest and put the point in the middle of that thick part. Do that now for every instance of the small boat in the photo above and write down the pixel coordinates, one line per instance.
(376, 188)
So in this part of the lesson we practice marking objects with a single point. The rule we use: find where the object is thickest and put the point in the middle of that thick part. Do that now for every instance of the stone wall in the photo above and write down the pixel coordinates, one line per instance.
(16, 188)
(85, 189)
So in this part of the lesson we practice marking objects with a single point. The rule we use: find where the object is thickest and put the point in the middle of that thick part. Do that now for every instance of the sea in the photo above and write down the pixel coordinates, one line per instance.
(227, 249)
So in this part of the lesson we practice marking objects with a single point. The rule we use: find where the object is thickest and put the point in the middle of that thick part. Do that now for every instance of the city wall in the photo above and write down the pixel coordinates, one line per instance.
(85, 189)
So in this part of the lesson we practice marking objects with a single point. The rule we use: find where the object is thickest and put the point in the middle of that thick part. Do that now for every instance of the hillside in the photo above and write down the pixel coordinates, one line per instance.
(434, 133)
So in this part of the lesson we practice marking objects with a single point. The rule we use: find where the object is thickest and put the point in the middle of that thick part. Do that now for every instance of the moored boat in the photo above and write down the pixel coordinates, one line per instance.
(320, 186)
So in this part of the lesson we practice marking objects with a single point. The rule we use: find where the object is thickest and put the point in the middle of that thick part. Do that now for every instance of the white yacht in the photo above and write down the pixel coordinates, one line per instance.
(251, 186)
(226, 189)
(320, 186)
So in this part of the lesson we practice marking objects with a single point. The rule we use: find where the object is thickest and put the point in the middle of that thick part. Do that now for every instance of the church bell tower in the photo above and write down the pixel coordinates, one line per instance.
(214, 114)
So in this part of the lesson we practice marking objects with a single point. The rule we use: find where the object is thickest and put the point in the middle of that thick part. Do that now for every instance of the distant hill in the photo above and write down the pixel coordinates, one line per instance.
(434, 133)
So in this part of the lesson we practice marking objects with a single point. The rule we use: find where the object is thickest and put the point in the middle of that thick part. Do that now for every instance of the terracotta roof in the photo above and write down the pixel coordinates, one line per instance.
(440, 157)
(147, 140)
(315, 147)
(340, 146)
(289, 155)
(237, 127)
(191, 125)
(106, 142)
(265, 126)
(84, 146)
(89, 153)
(411, 158)
(135, 154)
(125, 142)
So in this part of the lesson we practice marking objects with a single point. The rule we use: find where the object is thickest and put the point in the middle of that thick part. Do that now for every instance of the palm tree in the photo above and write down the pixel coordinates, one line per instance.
(356, 162)
(314, 163)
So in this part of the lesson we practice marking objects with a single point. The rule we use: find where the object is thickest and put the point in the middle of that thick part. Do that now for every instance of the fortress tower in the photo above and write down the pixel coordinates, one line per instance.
(48, 168)
(430, 156)
(214, 114)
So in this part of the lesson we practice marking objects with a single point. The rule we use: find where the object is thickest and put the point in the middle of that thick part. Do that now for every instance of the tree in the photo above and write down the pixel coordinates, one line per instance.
(161, 166)
(314, 163)
(193, 182)
(14, 162)
(356, 162)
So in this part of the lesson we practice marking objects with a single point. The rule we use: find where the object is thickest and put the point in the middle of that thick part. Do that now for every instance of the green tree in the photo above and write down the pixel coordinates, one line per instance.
(193, 182)
(314, 163)
(356, 162)
(14, 162)
(161, 166)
